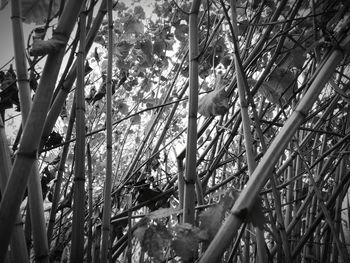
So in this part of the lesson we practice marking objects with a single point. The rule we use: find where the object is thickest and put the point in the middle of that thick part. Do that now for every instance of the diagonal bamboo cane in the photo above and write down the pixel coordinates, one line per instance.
(249, 194)
(27, 151)
(242, 87)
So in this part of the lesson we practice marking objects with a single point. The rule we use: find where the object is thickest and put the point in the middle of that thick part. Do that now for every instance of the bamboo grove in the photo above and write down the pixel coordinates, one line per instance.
(176, 131)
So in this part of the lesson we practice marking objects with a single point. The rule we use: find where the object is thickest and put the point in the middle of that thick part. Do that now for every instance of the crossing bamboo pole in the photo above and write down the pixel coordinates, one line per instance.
(262, 172)
(248, 140)
(27, 152)
(35, 199)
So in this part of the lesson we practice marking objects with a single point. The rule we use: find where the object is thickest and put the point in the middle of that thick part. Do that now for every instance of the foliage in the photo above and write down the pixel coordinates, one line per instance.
(281, 57)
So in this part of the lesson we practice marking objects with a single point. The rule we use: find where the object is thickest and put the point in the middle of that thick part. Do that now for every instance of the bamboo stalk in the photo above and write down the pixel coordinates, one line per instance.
(106, 224)
(32, 131)
(263, 170)
(38, 227)
(344, 184)
(190, 166)
(66, 84)
(34, 187)
(340, 247)
(77, 250)
(18, 245)
(242, 87)
(90, 189)
(59, 176)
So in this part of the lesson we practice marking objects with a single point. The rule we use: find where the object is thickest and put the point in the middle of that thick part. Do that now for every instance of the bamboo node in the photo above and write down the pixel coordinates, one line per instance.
(19, 17)
(22, 79)
(190, 181)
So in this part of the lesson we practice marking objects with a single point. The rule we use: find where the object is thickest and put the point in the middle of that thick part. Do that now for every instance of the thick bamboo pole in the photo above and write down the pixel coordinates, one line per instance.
(77, 250)
(37, 218)
(34, 187)
(249, 194)
(18, 245)
(106, 217)
(191, 152)
(27, 152)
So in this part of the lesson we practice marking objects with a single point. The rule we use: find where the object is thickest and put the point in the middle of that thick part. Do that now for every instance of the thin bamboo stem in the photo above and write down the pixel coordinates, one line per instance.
(242, 87)
(66, 84)
(343, 253)
(90, 190)
(249, 194)
(106, 218)
(59, 176)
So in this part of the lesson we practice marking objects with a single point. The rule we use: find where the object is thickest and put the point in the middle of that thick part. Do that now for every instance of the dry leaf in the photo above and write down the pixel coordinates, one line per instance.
(44, 47)
(280, 86)
(214, 103)
(211, 219)
(256, 215)
(294, 59)
(163, 212)
(155, 239)
(185, 243)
